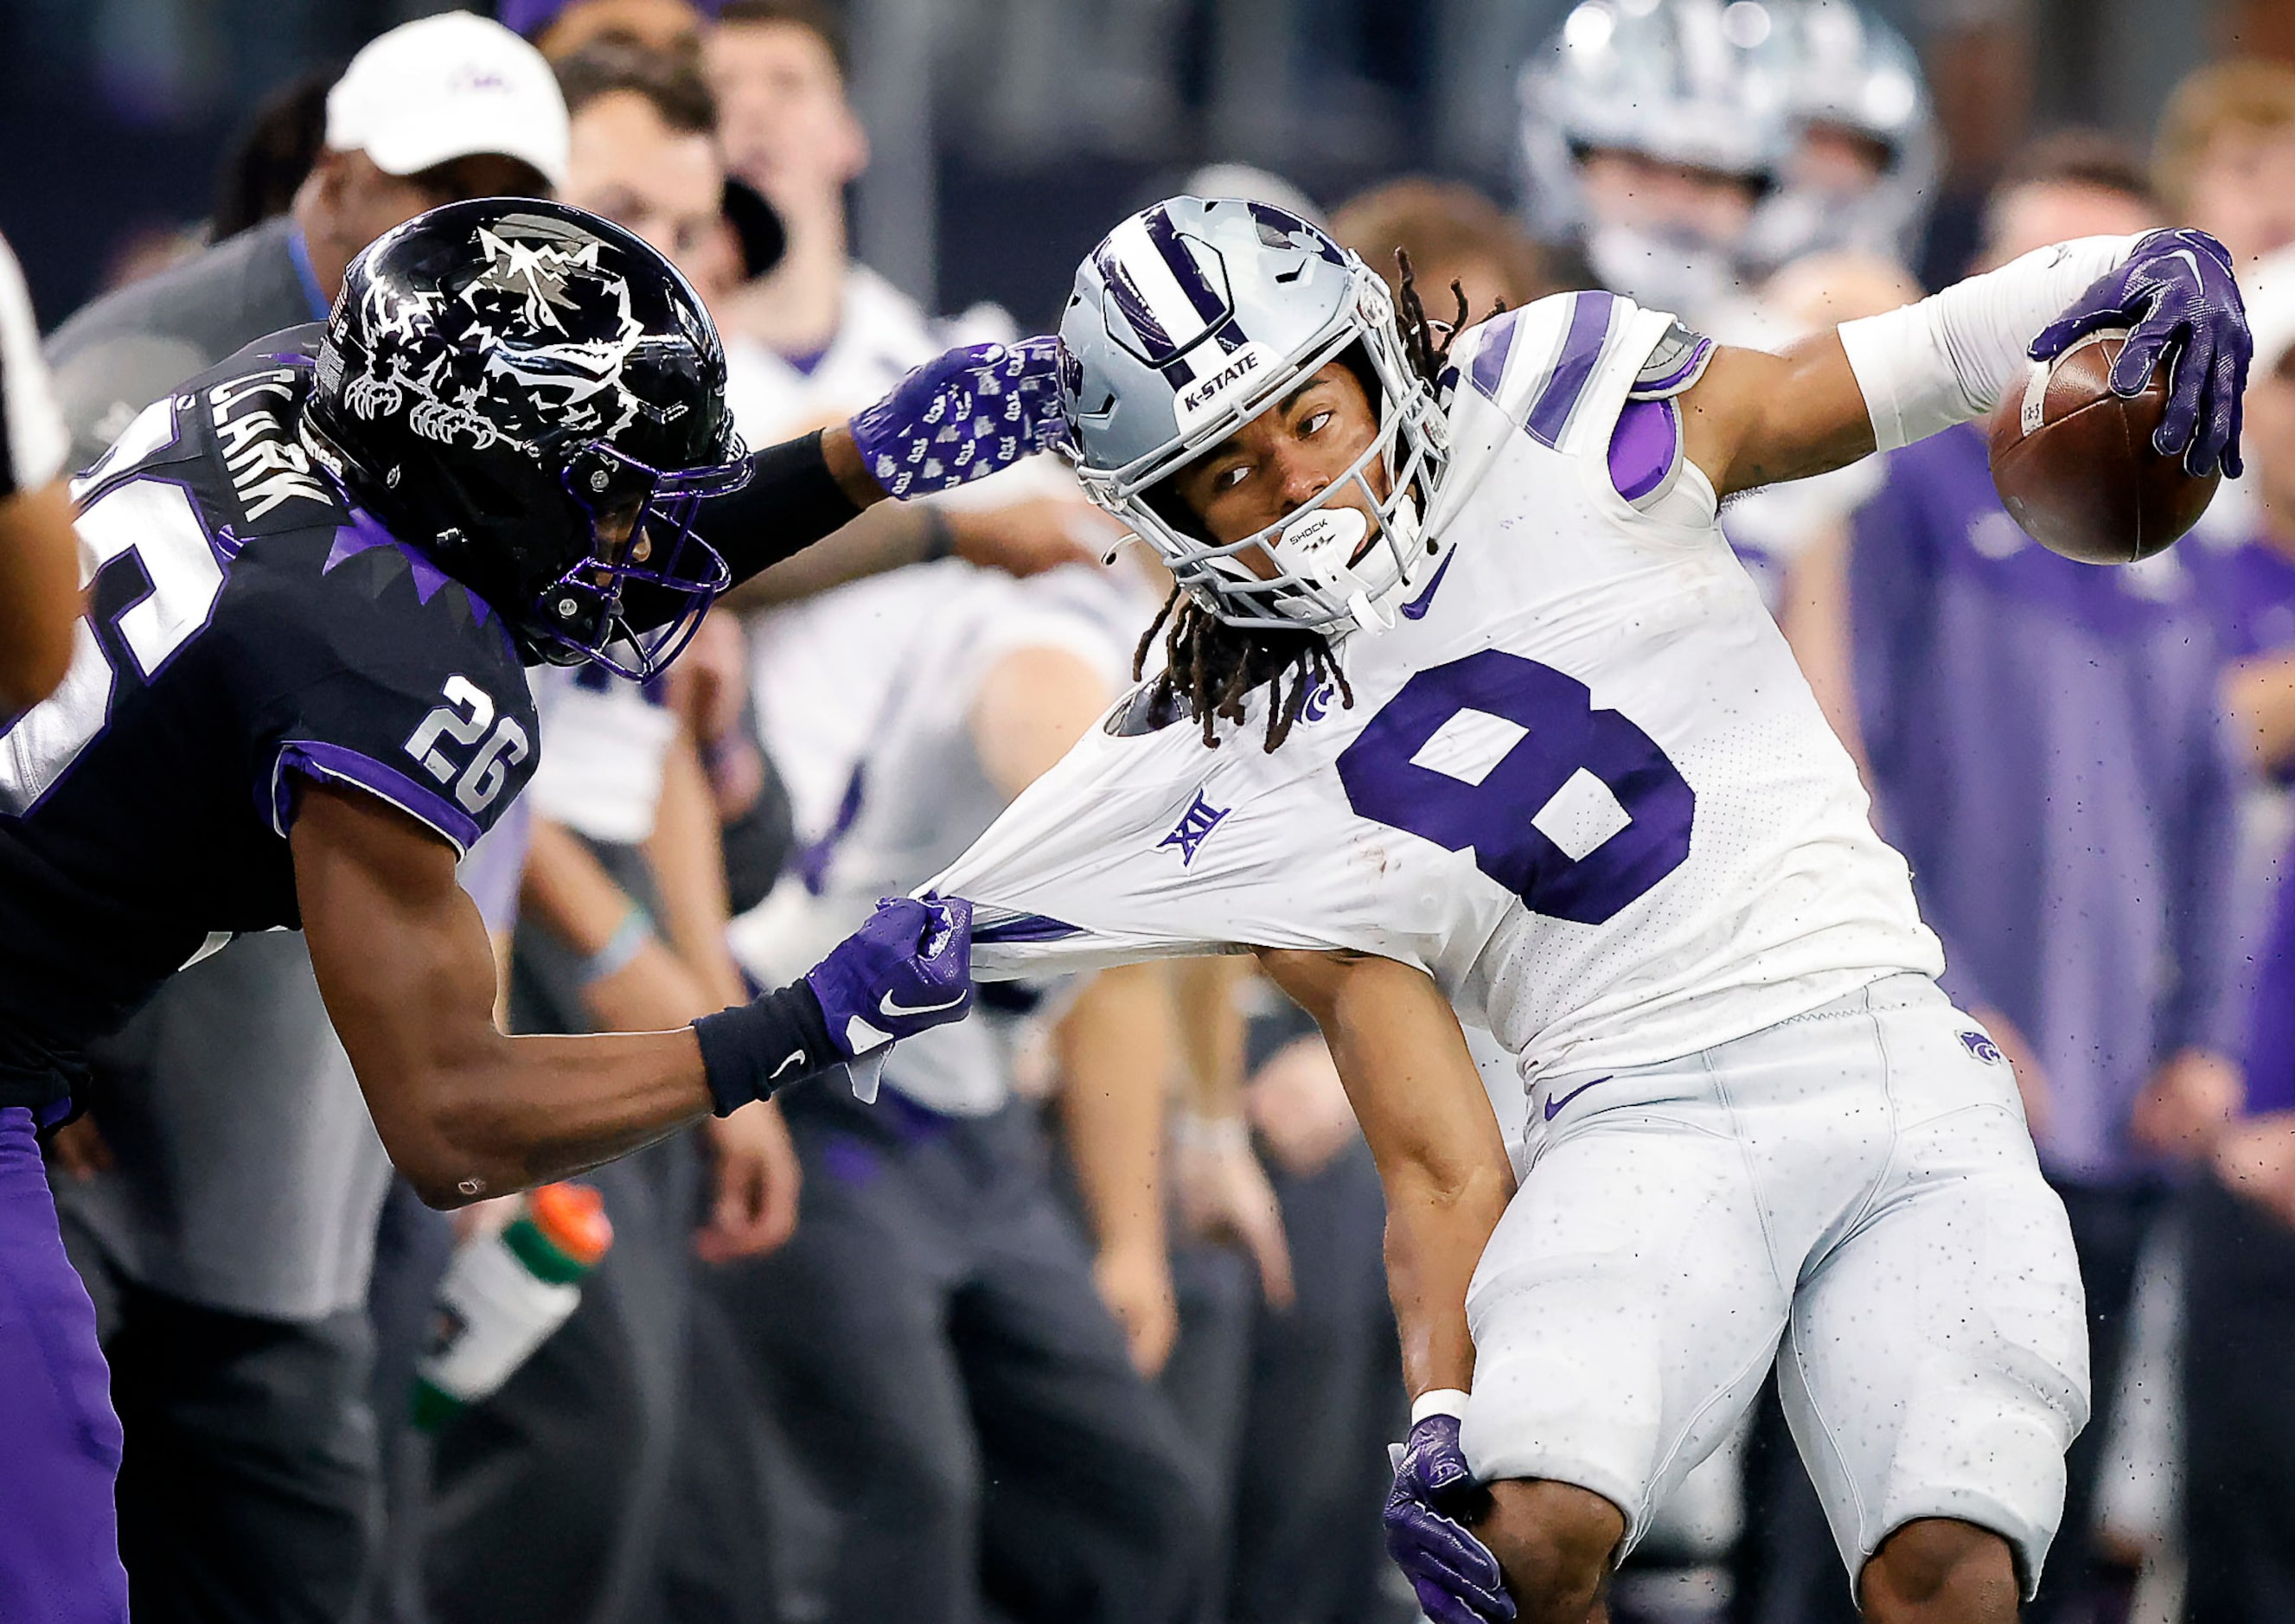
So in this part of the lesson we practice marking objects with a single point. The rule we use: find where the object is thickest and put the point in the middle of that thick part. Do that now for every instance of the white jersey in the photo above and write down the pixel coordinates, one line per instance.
(1582, 783)
(884, 784)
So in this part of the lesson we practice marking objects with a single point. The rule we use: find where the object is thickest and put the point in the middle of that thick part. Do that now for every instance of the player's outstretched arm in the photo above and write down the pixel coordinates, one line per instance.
(406, 971)
(1887, 381)
(959, 417)
(1414, 1090)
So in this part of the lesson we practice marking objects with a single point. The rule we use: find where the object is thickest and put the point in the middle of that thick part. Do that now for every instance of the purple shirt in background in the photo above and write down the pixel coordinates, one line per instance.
(2269, 1055)
(2047, 752)
(2250, 591)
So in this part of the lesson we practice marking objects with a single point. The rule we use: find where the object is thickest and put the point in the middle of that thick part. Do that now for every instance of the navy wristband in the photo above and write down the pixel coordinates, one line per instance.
(755, 1048)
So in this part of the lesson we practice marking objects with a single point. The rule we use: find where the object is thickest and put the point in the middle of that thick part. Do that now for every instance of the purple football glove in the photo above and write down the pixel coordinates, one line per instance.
(1455, 1577)
(968, 413)
(2178, 295)
(908, 968)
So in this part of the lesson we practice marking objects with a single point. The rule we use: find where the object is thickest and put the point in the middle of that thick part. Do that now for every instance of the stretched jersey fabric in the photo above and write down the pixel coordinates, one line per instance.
(884, 781)
(1582, 783)
(248, 627)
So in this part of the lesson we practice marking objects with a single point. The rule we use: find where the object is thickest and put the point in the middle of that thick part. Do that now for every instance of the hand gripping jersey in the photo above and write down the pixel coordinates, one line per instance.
(246, 627)
(884, 780)
(1582, 784)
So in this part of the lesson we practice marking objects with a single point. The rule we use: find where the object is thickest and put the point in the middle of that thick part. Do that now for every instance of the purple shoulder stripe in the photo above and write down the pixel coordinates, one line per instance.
(316, 759)
(1582, 348)
(1491, 354)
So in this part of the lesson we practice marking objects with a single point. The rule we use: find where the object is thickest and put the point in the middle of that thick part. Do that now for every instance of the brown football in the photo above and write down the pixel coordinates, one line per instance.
(2074, 465)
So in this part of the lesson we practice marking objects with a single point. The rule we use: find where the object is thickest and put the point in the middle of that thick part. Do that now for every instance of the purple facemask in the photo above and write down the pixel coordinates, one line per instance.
(631, 609)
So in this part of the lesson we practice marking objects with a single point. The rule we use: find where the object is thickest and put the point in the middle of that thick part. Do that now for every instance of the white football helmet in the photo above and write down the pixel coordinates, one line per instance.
(1703, 83)
(1190, 319)
(1849, 71)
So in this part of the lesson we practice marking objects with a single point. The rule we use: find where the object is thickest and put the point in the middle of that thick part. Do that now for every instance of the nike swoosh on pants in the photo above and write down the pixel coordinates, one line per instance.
(1554, 1107)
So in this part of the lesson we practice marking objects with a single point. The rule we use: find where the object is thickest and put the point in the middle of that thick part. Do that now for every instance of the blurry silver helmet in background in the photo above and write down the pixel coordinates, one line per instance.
(1190, 319)
(1863, 170)
(1696, 88)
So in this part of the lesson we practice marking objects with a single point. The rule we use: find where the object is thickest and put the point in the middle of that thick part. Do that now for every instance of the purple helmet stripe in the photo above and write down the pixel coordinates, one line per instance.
(1184, 269)
(1133, 307)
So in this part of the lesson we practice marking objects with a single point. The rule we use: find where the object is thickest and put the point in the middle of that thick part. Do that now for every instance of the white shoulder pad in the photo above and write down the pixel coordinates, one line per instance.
(1560, 370)
(1678, 361)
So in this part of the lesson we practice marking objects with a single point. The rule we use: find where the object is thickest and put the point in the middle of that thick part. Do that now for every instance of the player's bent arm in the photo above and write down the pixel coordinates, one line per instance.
(1414, 1088)
(1755, 418)
(1031, 707)
(406, 970)
(1886, 380)
(641, 984)
(40, 593)
(687, 855)
(1006, 399)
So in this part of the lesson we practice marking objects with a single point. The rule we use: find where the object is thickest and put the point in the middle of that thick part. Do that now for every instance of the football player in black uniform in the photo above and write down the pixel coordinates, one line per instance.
(296, 696)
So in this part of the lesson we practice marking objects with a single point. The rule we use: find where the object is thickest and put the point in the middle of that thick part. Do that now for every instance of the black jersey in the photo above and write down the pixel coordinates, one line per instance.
(247, 627)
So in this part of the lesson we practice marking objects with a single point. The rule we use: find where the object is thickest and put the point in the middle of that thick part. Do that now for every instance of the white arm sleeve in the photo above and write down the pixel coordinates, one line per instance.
(1953, 355)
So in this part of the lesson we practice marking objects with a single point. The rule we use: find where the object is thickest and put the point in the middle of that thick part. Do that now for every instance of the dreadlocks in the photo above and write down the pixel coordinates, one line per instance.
(1210, 667)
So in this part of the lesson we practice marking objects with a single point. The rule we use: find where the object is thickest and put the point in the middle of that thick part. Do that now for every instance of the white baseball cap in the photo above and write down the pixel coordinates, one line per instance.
(448, 86)
(2268, 288)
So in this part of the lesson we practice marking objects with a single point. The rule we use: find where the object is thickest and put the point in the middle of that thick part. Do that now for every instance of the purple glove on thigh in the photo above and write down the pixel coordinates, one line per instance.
(1457, 1580)
(962, 416)
(908, 969)
(2178, 298)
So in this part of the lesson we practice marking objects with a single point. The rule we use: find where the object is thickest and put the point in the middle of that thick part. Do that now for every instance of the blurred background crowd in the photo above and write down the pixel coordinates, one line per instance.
(1083, 1318)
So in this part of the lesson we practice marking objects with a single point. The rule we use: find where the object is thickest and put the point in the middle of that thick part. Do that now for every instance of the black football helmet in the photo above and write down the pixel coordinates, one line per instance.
(535, 398)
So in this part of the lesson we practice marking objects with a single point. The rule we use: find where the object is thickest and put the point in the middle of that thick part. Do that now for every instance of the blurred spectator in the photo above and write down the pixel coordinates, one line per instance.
(2239, 1251)
(2224, 157)
(553, 1500)
(2046, 748)
(226, 1180)
(2250, 587)
(39, 559)
(1451, 232)
(446, 108)
(560, 28)
(279, 147)
(961, 1376)
(1649, 134)
(2066, 184)
(146, 252)
(643, 139)
(1324, 1393)
(1793, 538)
(822, 335)
(1861, 172)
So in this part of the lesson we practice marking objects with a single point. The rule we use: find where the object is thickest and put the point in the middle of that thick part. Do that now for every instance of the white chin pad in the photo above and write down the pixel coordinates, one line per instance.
(1318, 546)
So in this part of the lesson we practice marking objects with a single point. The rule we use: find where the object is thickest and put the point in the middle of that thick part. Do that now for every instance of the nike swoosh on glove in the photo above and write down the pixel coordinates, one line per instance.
(1454, 1575)
(963, 416)
(2178, 298)
(905, 971)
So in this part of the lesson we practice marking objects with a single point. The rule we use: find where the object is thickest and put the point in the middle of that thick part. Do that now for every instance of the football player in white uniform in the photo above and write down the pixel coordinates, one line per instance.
(1466, 710)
